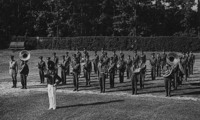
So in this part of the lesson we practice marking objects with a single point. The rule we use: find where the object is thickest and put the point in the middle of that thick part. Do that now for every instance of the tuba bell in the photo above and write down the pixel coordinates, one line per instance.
(24, 55)
(173, 61)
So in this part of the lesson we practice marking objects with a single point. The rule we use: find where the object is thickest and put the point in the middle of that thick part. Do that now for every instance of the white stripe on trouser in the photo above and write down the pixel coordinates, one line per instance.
(52, 96)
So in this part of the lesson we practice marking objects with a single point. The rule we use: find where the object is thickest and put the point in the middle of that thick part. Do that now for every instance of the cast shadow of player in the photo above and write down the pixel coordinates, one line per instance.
(88, 104)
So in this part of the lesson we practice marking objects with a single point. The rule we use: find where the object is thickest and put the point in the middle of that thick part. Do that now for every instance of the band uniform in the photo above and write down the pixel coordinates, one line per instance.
(24, 71)
(42, 68)
(13, 70)
(112, 70)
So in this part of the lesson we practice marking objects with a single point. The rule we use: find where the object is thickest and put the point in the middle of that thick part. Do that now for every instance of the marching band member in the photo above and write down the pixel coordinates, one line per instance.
(13, 70)
(170, 72)
(41, 67)
(75, 73)
(24, 71)
(143, 57)
(185, 65)
(153, 62)
(68, 60)
(85, 53)
(51, 88)
(106, 61)
(56, 62)
(52, 81)
(128, 66)
(87, 70)
(64, 65)
(51, 70)
(188, 64)
(111, 71)
(121, 67)
(135, 77)
(167, 80)
(102, 54)
(78, 57)
(158, 65)
(136, 60)
(191, 60)
(163, 59)
(95, 62)
(102, 75)
(142, 66)
(115, 57)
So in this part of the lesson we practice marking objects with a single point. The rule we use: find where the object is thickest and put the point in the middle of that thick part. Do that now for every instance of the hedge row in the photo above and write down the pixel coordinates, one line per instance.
(109, 43)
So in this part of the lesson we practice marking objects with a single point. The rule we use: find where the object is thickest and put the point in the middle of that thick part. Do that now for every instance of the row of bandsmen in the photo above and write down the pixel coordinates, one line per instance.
(103, 66)
(180, 72)
(23, 70)
(158, 61)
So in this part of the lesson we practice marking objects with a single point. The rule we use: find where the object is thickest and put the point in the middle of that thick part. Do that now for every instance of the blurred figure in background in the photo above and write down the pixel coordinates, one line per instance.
(56, 62)
(158, 65)
(129, 64)
(42, 68)
(111, 71)
(68, 60)
(95, 62)
(153, 62)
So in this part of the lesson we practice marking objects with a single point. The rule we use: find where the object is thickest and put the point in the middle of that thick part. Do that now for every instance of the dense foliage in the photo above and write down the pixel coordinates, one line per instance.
(182, 44)
(66, 18)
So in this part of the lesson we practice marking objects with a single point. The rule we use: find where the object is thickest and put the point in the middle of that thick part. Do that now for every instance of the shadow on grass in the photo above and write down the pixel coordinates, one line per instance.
(195, 84)
(190, 93)
(88, 104)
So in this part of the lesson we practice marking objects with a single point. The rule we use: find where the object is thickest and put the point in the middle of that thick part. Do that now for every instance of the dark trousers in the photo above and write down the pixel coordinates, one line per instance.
(128, 72)
(23, 80)
(63, 76)
(56, 77)
(68, 70)
(191, 68)
(121, 76)
(134, 79)
(142, 78)
(168, 86)
(102, 81)
(75, 81)
(112, 79)
(175, 80)
(158, 71)
(153, 73)
(95, 67)
(87, 77)
(186, 73)
(14, 80)
(41, 73)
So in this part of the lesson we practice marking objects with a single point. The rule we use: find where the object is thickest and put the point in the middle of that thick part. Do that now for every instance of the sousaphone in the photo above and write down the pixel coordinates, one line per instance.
(24, 55)
(173, 61)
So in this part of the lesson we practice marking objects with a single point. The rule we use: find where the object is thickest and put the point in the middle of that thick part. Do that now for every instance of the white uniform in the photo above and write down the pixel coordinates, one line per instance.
(52, 96)
(13, 68)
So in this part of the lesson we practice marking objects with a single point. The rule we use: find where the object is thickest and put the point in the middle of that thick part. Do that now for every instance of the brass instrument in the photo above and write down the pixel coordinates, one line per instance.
(173, 61)
(138, 70)
(24, 55)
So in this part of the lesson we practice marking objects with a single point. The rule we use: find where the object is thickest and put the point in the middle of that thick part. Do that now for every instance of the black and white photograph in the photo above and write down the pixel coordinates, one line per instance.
(99, 59)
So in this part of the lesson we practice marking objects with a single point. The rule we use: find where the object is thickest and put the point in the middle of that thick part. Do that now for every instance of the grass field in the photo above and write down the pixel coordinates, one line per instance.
(89, 104)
